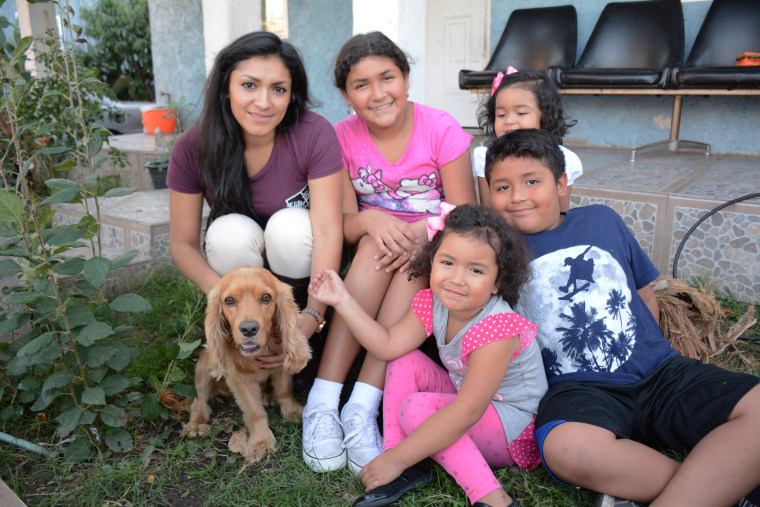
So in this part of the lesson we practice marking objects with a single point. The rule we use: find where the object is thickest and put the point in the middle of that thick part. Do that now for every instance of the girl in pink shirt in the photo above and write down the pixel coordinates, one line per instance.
(402, 161)
(478, 409)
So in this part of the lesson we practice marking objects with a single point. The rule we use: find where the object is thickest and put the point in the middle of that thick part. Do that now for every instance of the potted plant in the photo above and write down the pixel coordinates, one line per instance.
(157, 168)
(165, 141)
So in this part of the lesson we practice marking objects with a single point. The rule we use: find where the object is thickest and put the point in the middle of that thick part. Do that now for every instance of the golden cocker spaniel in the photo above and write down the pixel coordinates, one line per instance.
(249, 311)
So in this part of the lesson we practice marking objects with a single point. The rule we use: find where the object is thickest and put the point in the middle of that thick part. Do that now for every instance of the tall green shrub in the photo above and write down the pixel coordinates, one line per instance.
(121, 50)
(44, 104)
(65, 357)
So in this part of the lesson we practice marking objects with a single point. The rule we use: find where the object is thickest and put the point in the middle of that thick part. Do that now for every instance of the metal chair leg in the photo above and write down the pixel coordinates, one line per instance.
(673, 143)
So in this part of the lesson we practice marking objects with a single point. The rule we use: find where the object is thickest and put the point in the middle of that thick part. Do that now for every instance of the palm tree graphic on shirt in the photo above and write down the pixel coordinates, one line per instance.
(585, 314)
(585, 334)
(551, 362)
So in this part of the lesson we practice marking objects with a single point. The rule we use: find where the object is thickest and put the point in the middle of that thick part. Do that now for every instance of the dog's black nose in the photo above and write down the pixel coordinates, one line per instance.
(249, 328)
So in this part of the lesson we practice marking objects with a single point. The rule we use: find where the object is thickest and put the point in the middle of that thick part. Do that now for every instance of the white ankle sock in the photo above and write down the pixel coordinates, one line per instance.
(367, 396)
(325, 392)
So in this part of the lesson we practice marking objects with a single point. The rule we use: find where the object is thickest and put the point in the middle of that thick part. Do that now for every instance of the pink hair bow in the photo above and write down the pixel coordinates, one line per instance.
(435, 224)
(499, 77)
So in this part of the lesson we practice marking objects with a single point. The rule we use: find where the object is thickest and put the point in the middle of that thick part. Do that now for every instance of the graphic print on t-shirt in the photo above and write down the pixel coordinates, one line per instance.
(580, 270)
(586, 319)
(299, 200)
(413, 195)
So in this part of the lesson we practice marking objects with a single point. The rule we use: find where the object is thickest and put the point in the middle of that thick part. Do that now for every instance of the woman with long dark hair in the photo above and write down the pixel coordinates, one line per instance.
(269, 169)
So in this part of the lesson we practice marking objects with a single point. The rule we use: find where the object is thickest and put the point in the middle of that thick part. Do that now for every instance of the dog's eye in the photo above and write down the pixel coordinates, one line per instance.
(229, 300)
(266, 298)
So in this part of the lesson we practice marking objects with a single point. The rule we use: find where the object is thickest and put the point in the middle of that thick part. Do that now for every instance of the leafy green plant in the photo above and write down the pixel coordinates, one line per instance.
(177, 352)
(45, 140)
(66, 353)
(122, 53)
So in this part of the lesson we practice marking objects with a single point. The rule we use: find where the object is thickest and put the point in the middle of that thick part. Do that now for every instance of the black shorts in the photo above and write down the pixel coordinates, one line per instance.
(674, 407)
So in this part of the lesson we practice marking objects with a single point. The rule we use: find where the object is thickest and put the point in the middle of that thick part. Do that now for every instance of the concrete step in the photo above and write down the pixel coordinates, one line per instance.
(139, 150)
(139, 221)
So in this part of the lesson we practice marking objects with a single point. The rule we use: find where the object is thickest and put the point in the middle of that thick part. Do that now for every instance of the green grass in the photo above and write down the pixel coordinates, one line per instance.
(176, 471)
(745, 357)
(166, 469)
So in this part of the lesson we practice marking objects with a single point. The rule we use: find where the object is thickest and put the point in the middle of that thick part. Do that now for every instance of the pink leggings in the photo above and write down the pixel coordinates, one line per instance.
(415, 388)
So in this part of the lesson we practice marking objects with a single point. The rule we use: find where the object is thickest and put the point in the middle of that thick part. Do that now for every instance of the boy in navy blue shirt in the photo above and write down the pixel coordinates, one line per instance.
(616, 387)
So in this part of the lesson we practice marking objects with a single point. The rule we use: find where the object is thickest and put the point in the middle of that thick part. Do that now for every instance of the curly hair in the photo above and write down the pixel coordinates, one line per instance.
(547, 97)
(513, 256)
(363, 45)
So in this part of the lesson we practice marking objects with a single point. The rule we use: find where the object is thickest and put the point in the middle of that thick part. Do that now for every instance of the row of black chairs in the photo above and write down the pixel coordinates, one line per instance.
(638, 44)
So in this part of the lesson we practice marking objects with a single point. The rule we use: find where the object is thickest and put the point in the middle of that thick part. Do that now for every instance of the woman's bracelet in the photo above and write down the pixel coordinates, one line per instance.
(317, 316)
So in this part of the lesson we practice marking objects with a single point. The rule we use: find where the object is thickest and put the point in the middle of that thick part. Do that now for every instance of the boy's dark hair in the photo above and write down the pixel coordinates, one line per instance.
(221, 146)
(513, 255)
(526, 143)
(363, 45)
(547, 97)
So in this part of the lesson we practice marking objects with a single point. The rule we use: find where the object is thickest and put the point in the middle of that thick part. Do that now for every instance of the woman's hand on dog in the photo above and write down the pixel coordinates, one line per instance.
(274, 360)
(307, 326)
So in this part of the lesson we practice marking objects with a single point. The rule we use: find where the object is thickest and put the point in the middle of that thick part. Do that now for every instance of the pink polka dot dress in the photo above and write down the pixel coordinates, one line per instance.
(516, 400)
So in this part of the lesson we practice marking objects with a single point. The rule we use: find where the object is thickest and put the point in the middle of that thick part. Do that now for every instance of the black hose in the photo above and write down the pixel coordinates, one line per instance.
(705, 217)
(693, 227)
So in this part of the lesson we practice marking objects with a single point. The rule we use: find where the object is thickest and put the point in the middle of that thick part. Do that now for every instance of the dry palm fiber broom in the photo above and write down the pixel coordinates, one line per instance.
(690, 318)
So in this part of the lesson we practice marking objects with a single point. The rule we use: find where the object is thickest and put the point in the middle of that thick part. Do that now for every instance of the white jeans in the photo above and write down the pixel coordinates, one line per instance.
(235, 240)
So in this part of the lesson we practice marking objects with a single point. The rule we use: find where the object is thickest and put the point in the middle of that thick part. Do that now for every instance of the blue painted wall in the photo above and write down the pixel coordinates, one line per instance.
(729, 124)
(8, 10)
(318, 28)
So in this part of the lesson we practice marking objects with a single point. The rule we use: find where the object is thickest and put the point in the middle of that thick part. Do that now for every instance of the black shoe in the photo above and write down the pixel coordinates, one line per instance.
(398, 487)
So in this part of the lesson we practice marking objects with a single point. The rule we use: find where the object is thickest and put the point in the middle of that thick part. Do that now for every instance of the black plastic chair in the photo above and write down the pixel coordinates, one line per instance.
(730, 28)
(534, 39)
(633, 45)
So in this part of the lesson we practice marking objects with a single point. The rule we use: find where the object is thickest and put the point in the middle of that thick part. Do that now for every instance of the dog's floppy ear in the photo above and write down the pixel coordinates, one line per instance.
(216, 332)
(295, 346)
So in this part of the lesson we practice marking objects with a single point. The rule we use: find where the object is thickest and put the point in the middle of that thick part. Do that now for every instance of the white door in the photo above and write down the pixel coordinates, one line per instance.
(457, 37)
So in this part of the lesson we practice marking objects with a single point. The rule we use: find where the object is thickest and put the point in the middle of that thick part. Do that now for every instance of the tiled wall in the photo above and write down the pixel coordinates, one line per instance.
(724, 248)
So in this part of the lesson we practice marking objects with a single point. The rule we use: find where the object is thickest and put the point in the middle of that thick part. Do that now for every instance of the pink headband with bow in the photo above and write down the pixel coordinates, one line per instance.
(499, 77)
(435, 224)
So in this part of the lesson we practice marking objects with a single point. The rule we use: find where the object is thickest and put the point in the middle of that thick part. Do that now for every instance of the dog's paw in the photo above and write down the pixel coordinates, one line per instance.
(268, 399)
(258, 447)
(291, 410)
(194, 430)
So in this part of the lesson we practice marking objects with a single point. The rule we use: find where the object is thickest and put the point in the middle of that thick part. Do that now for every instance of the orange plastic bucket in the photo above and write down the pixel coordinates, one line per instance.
(159, 121)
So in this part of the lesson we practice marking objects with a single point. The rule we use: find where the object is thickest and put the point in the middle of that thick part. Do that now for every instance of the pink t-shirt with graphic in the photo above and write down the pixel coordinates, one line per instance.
(411, 188)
